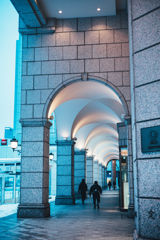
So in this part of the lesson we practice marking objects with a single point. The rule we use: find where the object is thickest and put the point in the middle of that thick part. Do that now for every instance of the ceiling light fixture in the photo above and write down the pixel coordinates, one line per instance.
(98, 9)
(60, 11)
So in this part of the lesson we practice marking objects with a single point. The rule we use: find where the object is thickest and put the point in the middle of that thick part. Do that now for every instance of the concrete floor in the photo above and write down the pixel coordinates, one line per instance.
(75, 222)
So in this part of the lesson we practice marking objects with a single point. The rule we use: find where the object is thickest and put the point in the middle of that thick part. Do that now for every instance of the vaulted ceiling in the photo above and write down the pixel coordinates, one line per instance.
(90, 112)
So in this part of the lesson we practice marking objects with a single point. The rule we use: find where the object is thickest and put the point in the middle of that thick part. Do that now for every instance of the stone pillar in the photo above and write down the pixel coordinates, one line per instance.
(90, 171)
(96, 171)
(105, 172)
(34, 169)
(100, 175)
(130, 168)
(122, 130)
(103, 177)
(65, 173)
(113, 171)
(79, 170)
(144, 38)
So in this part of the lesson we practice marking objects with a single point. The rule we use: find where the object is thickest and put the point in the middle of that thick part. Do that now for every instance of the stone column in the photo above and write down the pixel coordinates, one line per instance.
(90, 171)
(34, 169)
(144, 39)
(103, 177)
(65, 173)
(113, 171)
(100, 175)
(130, 168)
(96, 171)
(122, 130)
(79, 170)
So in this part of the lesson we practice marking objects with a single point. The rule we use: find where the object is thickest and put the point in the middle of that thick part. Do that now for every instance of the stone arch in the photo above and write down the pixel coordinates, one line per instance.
(110, 158)
(70, 81)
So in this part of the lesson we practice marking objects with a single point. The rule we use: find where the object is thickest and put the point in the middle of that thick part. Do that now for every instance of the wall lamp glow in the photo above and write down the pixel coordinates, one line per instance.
(98, 9)
(51, 156)
(51, 118)
(74, 138)
(60, 11)
(14, 144)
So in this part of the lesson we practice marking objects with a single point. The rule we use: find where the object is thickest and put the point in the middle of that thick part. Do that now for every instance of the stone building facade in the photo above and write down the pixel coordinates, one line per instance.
(64, 51)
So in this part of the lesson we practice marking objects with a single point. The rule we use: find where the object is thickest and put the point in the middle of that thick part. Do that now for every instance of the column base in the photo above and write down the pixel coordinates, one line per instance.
(64, 200)
(33, 211)
(131, 211)
(135, 235)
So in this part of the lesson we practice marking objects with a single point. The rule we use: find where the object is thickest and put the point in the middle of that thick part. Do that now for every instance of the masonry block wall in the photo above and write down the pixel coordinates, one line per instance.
(144, 19)
(97, 46)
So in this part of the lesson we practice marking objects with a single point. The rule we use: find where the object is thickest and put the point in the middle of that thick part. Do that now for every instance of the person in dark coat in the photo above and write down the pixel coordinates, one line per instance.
(95, 190)
(109, 185)
(82, 189)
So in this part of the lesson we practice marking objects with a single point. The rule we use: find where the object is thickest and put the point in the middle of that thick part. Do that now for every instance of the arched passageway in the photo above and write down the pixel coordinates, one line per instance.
(86, 113)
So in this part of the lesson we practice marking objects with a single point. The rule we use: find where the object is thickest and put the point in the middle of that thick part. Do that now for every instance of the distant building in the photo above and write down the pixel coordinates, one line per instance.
(8, 133)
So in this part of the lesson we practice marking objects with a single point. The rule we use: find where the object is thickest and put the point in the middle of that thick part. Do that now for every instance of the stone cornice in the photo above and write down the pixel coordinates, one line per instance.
(30, 12)
(46, 29)
(65, 142)
(35, 123)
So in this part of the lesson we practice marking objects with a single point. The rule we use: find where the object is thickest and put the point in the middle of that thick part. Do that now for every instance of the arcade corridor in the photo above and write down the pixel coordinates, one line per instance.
(77, 222)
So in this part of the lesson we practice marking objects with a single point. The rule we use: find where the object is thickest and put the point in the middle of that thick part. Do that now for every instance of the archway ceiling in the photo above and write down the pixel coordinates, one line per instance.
(90, 112)
(105, 150)
(102, 146)
(109, 158)
(101, 130)
(83, 90)
(109, 153)
(95, 141)
(94, 112)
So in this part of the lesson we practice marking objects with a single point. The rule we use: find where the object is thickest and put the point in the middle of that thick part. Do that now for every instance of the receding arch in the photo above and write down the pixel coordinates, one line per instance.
(81, 104)
(70, 81)
(111, 157)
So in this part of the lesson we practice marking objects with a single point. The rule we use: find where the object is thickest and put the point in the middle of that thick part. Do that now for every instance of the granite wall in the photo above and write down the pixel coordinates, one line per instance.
(96, 46)
(144, 37)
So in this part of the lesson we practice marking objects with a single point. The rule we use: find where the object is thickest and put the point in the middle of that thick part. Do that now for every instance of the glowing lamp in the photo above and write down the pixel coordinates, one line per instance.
(51, 156)
(14, 144)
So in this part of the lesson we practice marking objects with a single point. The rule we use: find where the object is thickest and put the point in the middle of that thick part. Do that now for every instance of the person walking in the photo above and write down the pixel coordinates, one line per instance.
(95, 190)
(109, 185)
(82, 190)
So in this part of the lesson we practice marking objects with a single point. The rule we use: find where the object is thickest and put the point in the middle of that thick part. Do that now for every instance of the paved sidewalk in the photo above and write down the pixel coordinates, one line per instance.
(75, 222)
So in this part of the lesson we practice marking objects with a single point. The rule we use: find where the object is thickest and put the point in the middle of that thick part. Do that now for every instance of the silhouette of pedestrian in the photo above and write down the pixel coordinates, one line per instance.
(95, 190)
(109, 185)
(82, 190)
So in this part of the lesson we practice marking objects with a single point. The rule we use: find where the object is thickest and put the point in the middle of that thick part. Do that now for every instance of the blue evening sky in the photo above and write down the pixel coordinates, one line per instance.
(8, 36)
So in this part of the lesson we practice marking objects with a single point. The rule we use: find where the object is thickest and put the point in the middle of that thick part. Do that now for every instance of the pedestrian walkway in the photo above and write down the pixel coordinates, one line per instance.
(75, 222)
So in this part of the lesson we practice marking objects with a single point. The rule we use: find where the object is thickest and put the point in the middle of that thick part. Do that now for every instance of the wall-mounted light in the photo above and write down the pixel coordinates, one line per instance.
(51, 156)
(51, 118)
(74, 139)
(60, 11)
(98, 9)
(14, 144)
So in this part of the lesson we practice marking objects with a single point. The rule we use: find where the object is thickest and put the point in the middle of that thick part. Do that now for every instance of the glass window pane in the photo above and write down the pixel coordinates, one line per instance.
(9, 190)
